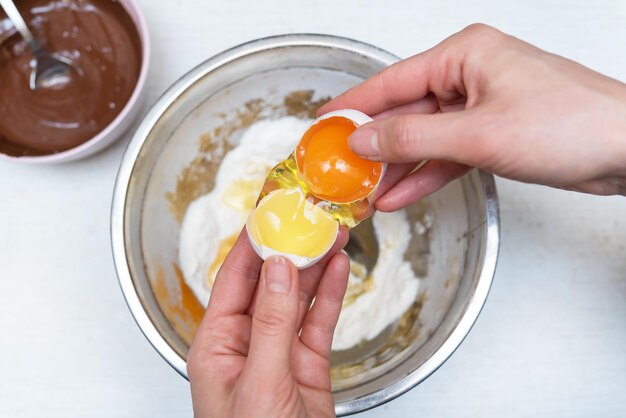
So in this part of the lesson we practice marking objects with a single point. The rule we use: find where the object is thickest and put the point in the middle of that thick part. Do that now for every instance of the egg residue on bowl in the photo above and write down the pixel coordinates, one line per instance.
(213, 221)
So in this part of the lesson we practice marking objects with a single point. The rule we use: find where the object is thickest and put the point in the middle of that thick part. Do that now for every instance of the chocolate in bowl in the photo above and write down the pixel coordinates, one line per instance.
(100, 37)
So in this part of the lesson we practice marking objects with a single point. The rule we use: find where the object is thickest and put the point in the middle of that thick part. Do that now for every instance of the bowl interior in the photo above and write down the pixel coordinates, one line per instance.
(199, 120)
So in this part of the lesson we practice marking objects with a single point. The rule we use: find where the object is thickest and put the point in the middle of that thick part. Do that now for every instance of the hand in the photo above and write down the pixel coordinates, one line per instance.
(247, 358)
(488, 100)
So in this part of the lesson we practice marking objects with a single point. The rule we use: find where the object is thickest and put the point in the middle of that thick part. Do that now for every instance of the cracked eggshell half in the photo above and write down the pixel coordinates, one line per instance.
(286, 224)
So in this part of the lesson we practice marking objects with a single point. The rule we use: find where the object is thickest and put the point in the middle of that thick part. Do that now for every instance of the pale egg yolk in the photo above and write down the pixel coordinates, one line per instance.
(287, 222)
(331, 169)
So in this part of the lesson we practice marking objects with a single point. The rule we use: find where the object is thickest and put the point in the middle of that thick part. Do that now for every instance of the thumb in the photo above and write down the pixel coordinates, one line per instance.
(274, 320)
(414, 137)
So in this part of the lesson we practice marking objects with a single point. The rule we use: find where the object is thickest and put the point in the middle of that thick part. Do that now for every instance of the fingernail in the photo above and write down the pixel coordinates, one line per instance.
(277, 275)
(365, 143)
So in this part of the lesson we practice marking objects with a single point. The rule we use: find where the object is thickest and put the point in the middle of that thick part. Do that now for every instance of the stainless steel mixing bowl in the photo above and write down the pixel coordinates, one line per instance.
(166, 165)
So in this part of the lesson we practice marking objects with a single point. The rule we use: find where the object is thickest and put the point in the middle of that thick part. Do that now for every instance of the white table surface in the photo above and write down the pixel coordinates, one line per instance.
(551, 341)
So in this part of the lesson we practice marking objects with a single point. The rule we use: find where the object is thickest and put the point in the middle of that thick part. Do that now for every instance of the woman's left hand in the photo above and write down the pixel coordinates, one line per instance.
(261, 349)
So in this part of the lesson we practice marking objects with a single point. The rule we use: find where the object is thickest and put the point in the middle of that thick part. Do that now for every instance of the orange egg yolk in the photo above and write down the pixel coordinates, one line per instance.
(332, 171)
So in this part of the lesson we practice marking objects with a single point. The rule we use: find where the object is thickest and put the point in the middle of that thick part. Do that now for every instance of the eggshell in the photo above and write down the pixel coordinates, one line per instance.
(299, 261)
(263, 251)
(356, 116)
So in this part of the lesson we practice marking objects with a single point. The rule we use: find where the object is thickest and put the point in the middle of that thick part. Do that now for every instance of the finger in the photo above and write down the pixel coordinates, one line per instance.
(428, 179)
(607, 186)
(319, 323)
(393, 175)
(236, 280)
(410, 138)
(426, 106)
(396, 172)
(274, 321)
(310, 278)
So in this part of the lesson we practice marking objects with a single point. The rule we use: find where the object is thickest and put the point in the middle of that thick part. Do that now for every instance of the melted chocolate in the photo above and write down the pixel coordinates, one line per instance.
(101, 39)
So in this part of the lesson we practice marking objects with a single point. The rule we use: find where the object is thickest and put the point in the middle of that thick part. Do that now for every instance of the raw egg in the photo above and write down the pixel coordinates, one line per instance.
(327, 164)
(286, 223)
(320, 185)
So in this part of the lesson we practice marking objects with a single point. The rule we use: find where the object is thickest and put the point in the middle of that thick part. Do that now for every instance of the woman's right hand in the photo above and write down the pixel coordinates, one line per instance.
(485, 99)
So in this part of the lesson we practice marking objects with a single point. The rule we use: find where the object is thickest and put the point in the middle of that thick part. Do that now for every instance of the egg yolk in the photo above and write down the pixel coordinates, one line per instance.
(287, 222)
(332, 171)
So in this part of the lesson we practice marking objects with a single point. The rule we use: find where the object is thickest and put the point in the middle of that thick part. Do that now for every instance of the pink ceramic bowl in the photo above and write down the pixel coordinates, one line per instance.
(123, 120)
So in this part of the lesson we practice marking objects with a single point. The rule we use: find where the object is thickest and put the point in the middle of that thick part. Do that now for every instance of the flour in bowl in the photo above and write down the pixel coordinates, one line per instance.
(213, 221)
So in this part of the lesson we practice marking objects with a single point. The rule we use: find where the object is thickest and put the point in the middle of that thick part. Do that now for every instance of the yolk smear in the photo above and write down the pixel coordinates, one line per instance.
(242, 195)
(287, 222)
(180, 307)
(334, 172)
(225, 246)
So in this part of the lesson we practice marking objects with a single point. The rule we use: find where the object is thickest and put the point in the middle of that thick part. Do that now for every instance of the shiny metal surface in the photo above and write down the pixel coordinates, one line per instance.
(51, 70)
(472, 201)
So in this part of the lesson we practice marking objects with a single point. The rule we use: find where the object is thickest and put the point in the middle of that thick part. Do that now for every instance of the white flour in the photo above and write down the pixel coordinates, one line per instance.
(220, 214)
